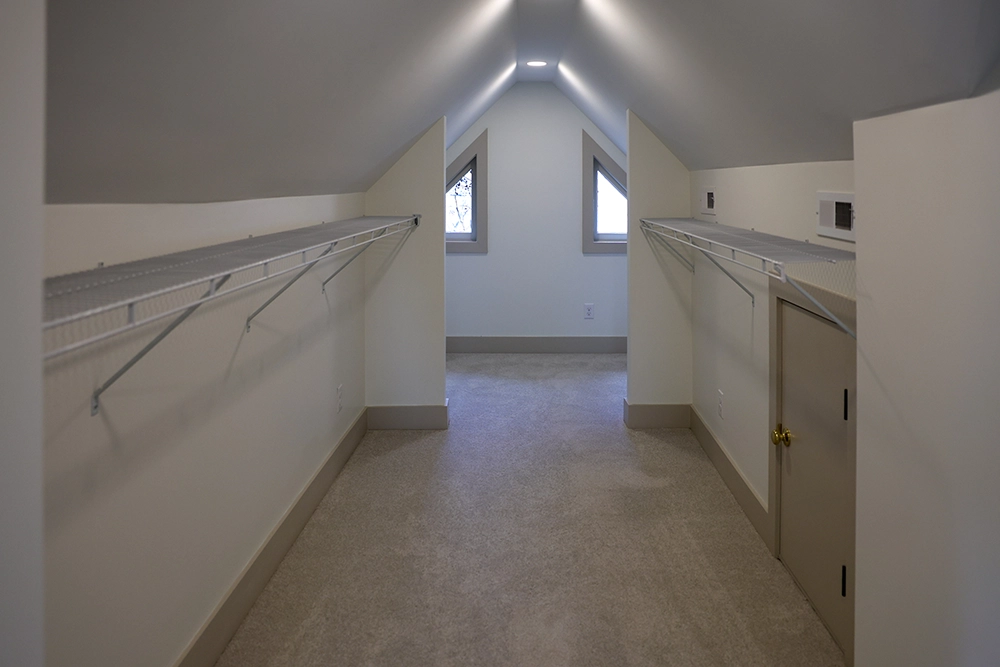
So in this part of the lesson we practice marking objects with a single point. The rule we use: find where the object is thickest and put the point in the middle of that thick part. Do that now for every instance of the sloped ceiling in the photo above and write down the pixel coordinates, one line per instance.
(207, 100)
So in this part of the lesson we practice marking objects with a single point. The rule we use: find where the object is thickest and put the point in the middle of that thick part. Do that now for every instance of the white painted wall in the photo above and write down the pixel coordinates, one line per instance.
(535, 278)
(404, 314)
(155, 506)
(928, 525)
(731, 348)
(22, 111)
(78, 234)
(659, 287)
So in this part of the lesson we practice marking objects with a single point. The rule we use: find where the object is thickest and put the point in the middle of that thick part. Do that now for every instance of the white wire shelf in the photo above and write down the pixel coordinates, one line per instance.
(136, 289)
(764, 253)
(757, 251)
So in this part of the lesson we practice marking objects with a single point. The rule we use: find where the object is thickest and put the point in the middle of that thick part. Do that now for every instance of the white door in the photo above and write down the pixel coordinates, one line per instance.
(817, 462)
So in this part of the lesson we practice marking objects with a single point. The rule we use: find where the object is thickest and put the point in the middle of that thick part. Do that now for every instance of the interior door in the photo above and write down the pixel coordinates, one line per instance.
(817, 465)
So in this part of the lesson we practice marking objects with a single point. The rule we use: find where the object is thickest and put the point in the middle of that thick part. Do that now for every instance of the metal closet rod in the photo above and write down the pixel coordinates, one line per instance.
(408, 222)
(778, 270)
(662, 239)
(777, 273)
(213, 293)
(210, 295)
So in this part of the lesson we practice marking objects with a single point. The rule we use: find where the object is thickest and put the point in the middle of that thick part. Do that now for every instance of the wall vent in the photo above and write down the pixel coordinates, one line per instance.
(835, 211)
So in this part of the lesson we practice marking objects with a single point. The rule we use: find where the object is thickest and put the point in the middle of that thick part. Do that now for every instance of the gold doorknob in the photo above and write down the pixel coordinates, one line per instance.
(781, 435)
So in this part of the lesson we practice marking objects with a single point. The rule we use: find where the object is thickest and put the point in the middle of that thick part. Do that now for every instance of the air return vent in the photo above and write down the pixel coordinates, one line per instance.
(835, 211)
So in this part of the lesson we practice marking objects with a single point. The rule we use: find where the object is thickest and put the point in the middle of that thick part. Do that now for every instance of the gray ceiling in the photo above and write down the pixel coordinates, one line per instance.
(206, 100)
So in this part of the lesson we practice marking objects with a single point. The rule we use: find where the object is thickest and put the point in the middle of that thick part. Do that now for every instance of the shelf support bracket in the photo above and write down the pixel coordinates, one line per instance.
(753, 299)
(95, 399)
(824, 309)
(288, 284)
(662, 241)
(666, 244)
(353, 257)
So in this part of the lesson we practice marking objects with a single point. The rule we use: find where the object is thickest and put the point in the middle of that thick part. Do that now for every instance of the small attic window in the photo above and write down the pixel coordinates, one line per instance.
(466, 201)
(605, 201)
(611, 206)
(460, 221)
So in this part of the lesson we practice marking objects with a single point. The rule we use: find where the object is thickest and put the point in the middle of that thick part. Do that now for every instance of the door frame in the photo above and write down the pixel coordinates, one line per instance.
(839, 305)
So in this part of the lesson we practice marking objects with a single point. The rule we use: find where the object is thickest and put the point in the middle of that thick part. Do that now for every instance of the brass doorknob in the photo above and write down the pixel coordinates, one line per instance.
(781, 435)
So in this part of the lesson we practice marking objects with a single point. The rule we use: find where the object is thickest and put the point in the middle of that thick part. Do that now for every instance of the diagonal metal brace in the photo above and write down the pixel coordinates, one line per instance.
(95, 399)
(288, 284)
(753, 299)
(684, 260)
(664, 242)
(353, 257)
(824, 309)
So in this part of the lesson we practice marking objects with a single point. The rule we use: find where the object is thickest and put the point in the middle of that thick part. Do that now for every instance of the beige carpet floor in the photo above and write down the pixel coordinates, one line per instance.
(537, 530)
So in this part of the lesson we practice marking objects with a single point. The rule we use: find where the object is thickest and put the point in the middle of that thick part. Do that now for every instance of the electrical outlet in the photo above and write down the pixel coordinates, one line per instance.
(720, 405)
(588, 311)
(340, 397)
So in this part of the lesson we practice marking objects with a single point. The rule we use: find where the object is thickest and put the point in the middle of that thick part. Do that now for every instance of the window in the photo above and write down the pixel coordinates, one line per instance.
(605, 201)
(466, 201)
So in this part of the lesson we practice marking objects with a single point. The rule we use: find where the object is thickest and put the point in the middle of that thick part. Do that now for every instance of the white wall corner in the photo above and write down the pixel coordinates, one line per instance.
(928, 531)
(405, 293)
(659, 287)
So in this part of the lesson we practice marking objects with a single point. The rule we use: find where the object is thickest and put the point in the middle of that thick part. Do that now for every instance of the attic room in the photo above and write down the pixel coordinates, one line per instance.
(263, 403)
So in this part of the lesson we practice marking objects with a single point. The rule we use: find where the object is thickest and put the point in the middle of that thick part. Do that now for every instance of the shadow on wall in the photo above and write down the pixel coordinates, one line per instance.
(671, 267)
(166, 397)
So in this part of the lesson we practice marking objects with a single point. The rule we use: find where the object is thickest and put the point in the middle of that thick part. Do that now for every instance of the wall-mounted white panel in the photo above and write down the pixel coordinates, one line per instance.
(22, 109)
(659, 287)
(928, 529)
(404, 288)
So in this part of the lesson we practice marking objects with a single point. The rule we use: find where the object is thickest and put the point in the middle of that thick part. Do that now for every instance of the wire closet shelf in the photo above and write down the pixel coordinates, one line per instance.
(764, 253)
(138, 290)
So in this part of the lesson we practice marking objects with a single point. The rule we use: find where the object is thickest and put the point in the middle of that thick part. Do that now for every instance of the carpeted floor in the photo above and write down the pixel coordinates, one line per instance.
(537, 530)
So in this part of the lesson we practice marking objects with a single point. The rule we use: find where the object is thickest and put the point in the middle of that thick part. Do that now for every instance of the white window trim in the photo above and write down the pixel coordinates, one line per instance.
(475, 155)
(594, 158)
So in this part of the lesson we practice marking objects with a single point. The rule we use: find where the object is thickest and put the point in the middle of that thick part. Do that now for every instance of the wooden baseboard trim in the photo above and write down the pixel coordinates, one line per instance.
(538, 344)
(642, 416)
(404, 417)
(205, 649)
(738, 486)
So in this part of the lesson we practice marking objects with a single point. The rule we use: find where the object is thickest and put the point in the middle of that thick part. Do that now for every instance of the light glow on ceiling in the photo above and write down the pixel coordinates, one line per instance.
(536, 63)
(594, 104)
(463, 119)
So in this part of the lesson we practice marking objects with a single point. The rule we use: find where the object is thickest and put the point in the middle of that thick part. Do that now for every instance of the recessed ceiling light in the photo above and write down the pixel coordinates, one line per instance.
(536, 63)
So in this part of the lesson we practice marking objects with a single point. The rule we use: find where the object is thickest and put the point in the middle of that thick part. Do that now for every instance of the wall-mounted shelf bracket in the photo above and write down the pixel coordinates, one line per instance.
(347, 263)
(291, 282)
(95, 399)
(763, 253)
(659, 238)
(753, 299)
(823, 309)
(114, 299)
(664, 240)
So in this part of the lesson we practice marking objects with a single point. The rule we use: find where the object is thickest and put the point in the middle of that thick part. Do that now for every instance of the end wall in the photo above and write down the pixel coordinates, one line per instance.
(928, 526)
(535, 278)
